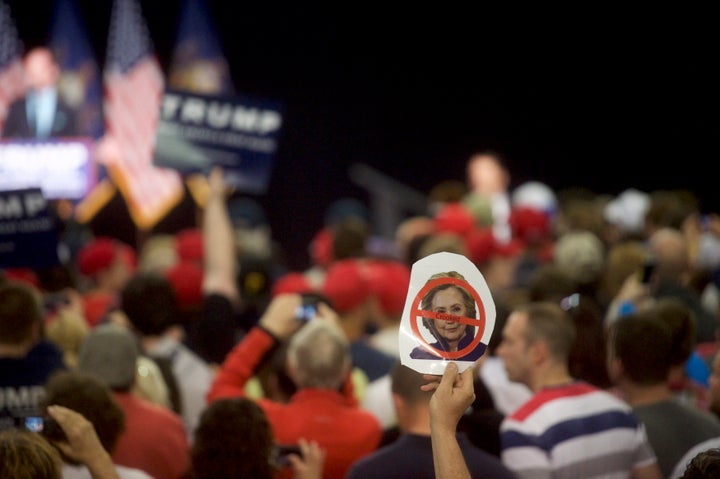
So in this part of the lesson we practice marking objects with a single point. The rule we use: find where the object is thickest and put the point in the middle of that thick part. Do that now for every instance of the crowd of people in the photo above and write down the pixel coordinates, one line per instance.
(201, 355)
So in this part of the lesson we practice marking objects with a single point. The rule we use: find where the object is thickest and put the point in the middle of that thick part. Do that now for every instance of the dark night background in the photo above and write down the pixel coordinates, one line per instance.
(602, 100)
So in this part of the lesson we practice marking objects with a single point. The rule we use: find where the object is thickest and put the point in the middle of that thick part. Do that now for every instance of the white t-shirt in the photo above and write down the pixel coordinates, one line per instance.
(506, 394)
(70, 471)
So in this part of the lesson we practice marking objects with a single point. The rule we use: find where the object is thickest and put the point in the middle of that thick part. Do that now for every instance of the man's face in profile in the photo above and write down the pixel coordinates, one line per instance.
(513, 348)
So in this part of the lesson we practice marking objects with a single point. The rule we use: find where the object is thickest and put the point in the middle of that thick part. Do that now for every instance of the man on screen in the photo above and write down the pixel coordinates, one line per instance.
(42, 113)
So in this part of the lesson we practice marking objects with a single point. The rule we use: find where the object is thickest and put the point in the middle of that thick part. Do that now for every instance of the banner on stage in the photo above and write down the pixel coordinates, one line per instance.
(62, 168)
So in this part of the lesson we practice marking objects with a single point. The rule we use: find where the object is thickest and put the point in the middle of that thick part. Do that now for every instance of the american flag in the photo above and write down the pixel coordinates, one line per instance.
(12, 83)
(198, 62)
(134, 86)
(80, 82)
(199, 65)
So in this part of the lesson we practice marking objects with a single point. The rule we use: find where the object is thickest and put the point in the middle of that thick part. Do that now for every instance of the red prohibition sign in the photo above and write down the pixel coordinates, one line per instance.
(479, 321)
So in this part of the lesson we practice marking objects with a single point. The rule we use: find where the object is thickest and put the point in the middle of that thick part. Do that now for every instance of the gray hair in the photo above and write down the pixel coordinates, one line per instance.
(320, 355)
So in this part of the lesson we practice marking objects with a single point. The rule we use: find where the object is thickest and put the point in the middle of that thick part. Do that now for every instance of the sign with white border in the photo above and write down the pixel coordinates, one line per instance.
(449, 314)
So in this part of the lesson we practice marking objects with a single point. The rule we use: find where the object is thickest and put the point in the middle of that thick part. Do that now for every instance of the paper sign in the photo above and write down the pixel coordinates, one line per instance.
(449, 314)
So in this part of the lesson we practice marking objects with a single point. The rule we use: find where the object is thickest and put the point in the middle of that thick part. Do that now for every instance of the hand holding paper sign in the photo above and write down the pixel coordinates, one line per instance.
(454, 393)
(449, 314)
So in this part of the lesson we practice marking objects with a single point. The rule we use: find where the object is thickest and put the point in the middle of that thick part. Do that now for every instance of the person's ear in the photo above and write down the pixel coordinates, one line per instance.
(538, 352)
(398, 404)
(615, 368)
(291, 370)
(36, 331)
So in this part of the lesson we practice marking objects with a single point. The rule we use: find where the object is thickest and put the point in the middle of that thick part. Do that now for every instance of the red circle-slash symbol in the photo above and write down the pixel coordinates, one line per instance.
(478, 322)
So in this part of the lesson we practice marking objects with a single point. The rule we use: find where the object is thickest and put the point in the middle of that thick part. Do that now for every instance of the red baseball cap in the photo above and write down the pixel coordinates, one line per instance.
(101, 252)
(186, 278)
(292, 282)
(346, 284)
(189, 245)
(389, 281)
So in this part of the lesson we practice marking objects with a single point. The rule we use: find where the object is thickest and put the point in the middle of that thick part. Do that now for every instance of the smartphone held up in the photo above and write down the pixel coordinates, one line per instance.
(308, 309)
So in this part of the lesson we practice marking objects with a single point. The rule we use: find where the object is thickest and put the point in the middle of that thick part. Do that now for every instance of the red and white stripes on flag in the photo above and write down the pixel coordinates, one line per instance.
(134, 86)
(12, 81)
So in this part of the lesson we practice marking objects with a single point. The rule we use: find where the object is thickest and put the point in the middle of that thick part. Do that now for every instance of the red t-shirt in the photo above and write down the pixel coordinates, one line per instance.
(333, 419)
(154, 440)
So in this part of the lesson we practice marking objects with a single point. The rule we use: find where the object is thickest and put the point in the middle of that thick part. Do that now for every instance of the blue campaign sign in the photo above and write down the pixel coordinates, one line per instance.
(198, 131)
(28, 236)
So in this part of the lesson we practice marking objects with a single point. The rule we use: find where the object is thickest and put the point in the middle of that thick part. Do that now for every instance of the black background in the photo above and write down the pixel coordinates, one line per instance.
(602, 99)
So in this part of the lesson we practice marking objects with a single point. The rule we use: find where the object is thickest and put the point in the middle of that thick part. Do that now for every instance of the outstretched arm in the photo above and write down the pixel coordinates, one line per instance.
(277, 324)
(453, 395)
(219, 245)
